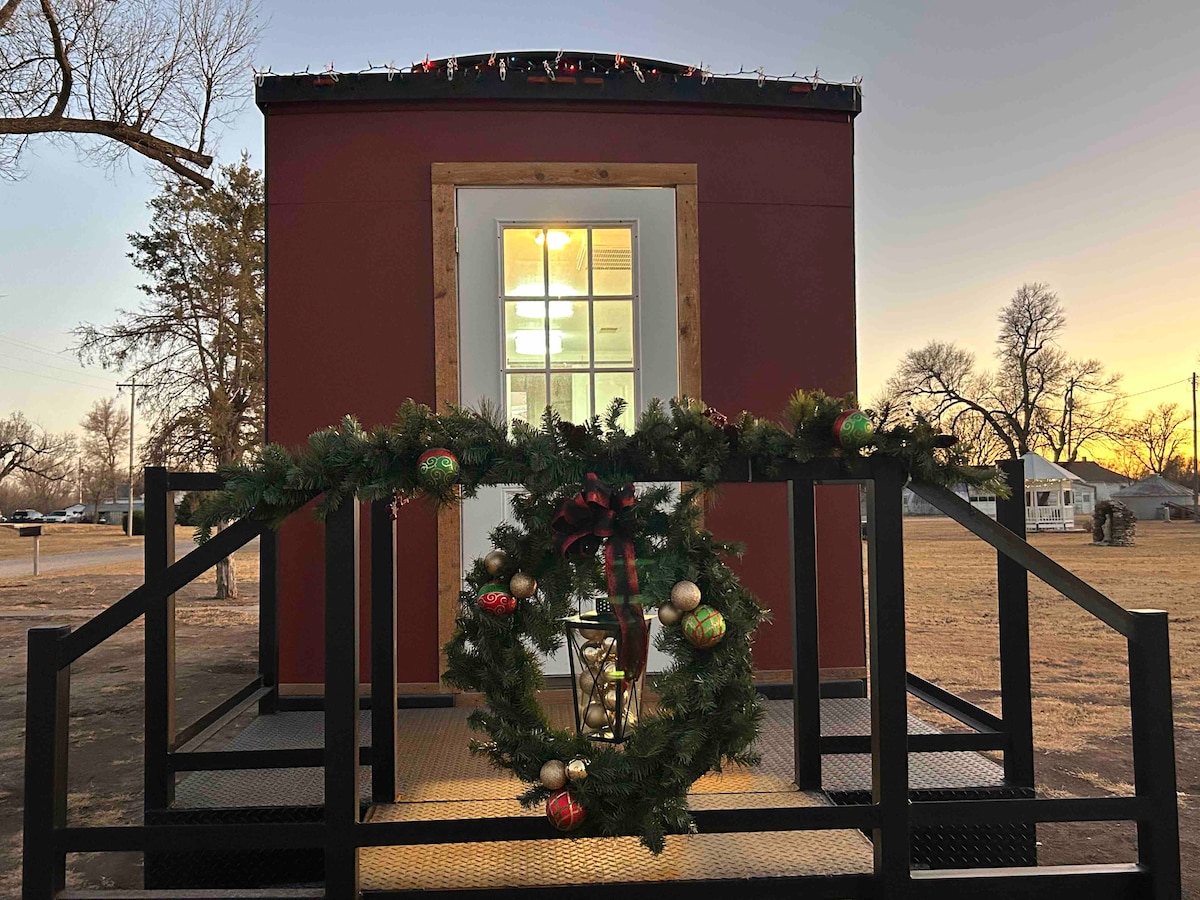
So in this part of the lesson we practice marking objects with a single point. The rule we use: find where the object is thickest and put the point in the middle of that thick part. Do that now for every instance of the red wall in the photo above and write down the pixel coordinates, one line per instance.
(350, 317)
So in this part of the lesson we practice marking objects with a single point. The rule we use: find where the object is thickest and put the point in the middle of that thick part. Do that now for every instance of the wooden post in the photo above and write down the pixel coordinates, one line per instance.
(383, 653)
(268, 619)
(47, 714)
(806, 666)
(1012, 588)
(1152, 721)
(341, 699)
(889, 676)
(37, 554)
(159, 544)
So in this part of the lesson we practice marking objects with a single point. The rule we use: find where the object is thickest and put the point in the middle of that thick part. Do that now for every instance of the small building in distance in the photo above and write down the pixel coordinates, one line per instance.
(1154, 498)
(1103, 482)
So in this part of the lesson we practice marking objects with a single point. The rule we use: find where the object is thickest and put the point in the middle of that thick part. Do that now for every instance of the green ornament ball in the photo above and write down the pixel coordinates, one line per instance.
(704, 627)
(437, 468)
(853, 429)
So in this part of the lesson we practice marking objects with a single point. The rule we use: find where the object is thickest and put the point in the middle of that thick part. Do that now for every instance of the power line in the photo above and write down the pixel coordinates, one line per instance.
(1151, 390)
(80, 372)
(51, 377)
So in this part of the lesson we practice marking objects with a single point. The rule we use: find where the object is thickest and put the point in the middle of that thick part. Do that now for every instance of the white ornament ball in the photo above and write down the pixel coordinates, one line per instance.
(685, 596)
(553, 774)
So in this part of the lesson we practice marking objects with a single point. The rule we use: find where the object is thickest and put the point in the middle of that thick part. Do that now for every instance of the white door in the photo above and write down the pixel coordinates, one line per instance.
(566, 297)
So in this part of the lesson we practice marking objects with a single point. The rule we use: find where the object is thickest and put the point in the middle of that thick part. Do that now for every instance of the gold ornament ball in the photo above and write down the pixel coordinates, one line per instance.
(593, 634)
(522, 586)
(593, 655)
(609, 646)
(587, 681)
(610, 698)
(685, 596)
(669, 615)
(553, 774)
(495, 561)
(607, 668)
(577, 769)
(596, 715)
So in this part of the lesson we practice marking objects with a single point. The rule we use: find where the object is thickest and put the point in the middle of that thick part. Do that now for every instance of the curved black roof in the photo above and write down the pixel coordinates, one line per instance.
(555, 75)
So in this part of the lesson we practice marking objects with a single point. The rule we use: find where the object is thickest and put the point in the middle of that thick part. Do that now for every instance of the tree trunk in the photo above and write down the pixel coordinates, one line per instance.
(226, 575)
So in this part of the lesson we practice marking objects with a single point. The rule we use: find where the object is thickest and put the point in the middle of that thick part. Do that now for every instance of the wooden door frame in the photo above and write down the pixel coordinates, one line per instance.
(446, 178)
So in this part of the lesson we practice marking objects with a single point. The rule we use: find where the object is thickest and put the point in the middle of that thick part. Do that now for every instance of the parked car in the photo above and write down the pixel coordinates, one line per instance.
(27, 515)
(62, 515)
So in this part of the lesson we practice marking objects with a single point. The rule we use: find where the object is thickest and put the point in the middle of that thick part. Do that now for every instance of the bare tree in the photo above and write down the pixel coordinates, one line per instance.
(152, 76)
(1014, 404)
(197, 339)
(1156, 439)
(1089, 409)
(26, 449)
(105, 433)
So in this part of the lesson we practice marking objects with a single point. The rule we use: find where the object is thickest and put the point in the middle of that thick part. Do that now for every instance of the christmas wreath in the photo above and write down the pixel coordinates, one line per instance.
(638, 553)
(581, 532)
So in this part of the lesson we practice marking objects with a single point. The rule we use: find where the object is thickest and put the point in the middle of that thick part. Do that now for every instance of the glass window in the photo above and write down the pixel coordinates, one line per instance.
(567, 253)
(563, 346)
(526, 396)
(611, 385)
(524, 262)
(612, 262)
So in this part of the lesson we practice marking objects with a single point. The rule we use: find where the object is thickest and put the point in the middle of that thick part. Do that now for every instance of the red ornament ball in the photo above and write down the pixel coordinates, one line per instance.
(437, 467)
(564, 811)
(496, 601)
(853, 429)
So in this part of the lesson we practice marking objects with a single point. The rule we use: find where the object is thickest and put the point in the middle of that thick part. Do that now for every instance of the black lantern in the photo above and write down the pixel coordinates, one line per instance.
(607, 700)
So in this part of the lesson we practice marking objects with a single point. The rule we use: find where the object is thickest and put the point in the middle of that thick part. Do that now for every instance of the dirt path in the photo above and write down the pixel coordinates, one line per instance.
(64, 562)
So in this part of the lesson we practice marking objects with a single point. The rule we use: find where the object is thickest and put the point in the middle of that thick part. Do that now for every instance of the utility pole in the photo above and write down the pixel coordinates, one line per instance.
(132, 412)
(1195, 473)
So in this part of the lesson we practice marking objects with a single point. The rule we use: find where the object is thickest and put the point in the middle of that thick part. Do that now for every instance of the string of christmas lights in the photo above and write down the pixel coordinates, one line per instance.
(560, 65)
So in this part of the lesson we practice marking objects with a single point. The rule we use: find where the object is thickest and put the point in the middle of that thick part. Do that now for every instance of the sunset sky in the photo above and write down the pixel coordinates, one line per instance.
(999, 143)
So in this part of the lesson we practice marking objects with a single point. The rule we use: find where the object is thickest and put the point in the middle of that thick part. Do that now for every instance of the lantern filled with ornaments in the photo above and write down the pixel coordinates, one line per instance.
(607, 699)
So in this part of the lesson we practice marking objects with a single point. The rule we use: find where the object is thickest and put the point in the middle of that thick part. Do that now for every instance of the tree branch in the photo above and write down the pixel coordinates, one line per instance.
(60, 56)
(155, 148)
(7, 10)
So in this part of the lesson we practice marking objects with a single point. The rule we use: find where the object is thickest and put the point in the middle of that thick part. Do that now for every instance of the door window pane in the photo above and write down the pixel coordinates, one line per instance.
(612, 262)
(571, 395)
(567, 250)
(525, 334)
(524, 262)
(569, 320)
(526, 398)
(610, 385)
(613, 333)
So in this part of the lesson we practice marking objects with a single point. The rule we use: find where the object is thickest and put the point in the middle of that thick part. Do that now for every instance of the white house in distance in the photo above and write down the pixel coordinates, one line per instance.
(1050, 497)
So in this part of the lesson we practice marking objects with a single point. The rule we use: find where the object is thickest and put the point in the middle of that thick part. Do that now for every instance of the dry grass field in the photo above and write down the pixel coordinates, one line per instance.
(1080, 679)
(1080, 702)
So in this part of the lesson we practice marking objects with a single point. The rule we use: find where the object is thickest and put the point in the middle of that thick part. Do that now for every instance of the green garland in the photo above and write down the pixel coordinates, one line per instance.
(708, 712)
(682, 437)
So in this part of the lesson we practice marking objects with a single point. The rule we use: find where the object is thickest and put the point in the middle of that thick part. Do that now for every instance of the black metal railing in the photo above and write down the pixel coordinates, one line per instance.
(889, 817)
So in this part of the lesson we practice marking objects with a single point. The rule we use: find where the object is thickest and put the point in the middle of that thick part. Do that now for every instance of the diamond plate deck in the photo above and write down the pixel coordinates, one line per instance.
(530, 864)
(436, 766)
